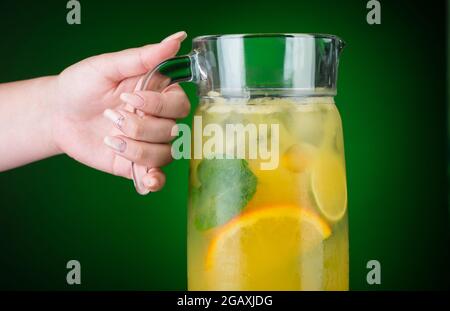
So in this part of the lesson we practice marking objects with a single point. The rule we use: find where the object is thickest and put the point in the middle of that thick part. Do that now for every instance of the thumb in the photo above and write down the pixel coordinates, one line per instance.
(120, 65)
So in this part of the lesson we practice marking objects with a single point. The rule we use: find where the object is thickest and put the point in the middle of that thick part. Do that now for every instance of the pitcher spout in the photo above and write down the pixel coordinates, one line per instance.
(340, 45)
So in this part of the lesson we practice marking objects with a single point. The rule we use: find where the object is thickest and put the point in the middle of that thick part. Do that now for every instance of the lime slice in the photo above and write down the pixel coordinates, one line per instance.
(329, 186)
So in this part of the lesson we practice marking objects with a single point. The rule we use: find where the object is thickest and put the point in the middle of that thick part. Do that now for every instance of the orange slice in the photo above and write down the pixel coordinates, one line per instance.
(262, 249)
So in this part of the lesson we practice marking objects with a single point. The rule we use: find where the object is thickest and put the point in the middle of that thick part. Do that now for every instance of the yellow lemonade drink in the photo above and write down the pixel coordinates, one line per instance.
(283, 228)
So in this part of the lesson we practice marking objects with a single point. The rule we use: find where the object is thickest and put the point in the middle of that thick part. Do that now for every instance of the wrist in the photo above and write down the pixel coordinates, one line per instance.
(46, 87)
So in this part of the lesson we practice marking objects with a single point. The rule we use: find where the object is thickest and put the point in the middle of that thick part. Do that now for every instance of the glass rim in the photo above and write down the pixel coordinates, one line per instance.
(267, 35)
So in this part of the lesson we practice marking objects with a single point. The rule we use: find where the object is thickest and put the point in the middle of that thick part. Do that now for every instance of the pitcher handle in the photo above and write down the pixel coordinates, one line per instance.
(177, 69)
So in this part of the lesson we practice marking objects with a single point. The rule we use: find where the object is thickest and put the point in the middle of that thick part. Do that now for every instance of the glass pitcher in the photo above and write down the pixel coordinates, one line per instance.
(267, 187)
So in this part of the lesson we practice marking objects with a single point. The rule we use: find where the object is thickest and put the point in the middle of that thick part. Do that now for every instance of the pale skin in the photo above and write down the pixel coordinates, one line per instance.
(84, 112)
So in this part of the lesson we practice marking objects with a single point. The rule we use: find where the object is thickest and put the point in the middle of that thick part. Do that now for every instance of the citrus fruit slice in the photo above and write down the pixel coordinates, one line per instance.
(262, 248)
(329, 186)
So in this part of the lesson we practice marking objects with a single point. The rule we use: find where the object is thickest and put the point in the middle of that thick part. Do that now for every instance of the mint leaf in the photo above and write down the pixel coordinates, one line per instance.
(227, 185)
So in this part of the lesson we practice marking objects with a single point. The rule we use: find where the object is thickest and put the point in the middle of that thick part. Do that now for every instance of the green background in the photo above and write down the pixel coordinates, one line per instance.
(392, 89)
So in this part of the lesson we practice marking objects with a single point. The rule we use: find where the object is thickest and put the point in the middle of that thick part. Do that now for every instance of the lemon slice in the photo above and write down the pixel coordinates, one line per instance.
(261, 249)
(329, 186)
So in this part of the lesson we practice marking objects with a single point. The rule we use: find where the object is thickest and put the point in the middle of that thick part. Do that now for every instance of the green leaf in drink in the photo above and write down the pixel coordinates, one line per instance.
(227, 185)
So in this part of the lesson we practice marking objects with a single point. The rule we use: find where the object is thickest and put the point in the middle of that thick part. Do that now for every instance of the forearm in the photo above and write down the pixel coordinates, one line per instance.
(26, 112)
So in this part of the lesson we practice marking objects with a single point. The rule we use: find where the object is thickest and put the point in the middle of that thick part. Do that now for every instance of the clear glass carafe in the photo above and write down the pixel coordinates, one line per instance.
(268, 198)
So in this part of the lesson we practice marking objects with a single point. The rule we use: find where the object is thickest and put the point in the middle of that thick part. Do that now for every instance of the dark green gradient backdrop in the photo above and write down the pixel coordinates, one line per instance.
(391, 97)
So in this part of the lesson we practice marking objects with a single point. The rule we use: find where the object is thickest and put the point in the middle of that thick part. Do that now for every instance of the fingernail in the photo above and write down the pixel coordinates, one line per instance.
(150, 182)
(133, 99)
(115, 143)
(180, 36)
(115, 117)
(174, 131)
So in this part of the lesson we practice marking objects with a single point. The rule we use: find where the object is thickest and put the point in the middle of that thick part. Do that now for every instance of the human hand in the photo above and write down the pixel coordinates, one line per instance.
(92, 120)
